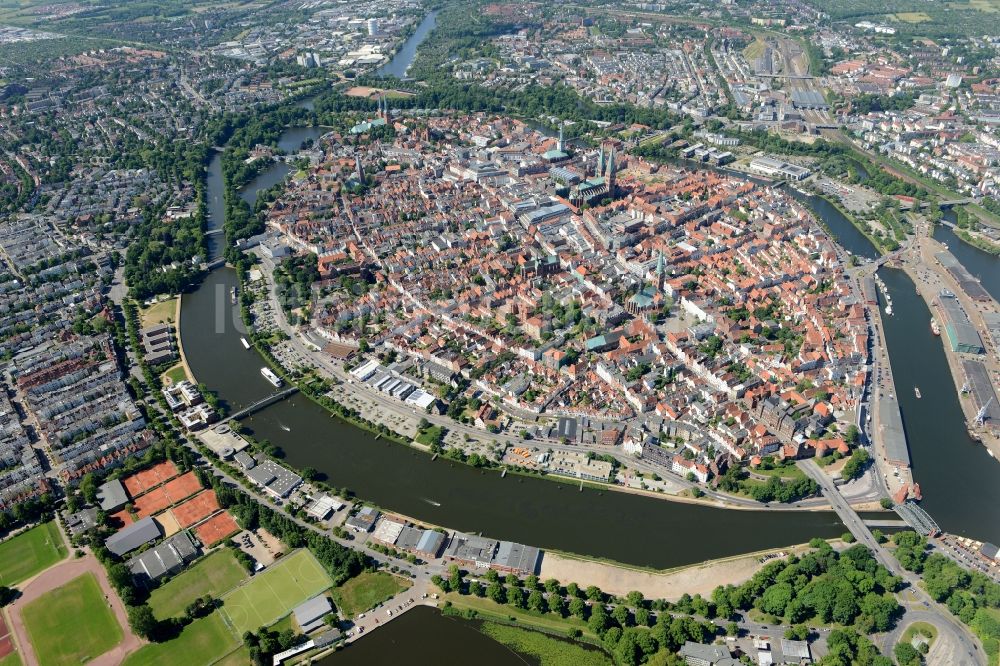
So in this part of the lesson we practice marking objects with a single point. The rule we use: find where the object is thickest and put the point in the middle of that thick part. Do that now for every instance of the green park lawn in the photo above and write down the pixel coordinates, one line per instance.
(72, 623)
(272, 594)
(214, 575)
(202, 642)
(365, 591)
(175, 374)
(30, 552)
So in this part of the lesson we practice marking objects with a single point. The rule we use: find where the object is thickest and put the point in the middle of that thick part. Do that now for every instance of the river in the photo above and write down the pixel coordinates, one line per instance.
(401, 641)
(401, 62)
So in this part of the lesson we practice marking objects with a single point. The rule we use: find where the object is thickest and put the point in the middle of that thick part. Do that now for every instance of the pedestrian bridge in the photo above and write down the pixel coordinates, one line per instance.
(261, 404)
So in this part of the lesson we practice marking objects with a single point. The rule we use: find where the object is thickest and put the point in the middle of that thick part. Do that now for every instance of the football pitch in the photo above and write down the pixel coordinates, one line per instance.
(30, 552)
(271, 595)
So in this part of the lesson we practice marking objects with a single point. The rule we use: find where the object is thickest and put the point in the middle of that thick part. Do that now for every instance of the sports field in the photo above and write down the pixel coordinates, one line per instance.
(30, 552)
(71, 624)
(215, 575)
(201, 643)
(275, 592)
(367, 590)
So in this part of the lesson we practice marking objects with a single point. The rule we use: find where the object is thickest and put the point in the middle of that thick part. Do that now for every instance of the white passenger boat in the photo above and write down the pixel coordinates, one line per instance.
(271, 377)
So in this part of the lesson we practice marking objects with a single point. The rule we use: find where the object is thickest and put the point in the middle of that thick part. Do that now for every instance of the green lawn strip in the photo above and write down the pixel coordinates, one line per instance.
(272, 594)
(365, 591)
(488, 609)
(548, 650)
(30, 552)
(200, 643)
(72, 623)
(214, 575)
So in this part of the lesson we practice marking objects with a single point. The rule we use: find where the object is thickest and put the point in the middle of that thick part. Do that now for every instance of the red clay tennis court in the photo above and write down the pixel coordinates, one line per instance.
(143, 480)
(169, 493)
(121, 519)
(216, 528)
(195, 509)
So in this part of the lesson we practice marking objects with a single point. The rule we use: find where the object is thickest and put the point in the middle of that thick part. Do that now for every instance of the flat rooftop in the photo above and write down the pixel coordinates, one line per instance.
(893, 435)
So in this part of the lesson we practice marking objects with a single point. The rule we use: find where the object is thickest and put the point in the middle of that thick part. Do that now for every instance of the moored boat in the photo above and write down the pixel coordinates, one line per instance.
(271, 377)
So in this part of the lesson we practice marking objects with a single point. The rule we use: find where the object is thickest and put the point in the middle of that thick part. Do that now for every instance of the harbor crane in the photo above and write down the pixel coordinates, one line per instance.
(981, 414)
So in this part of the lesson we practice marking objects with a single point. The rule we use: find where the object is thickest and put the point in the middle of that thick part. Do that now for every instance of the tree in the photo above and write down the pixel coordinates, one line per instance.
(455, 578)
(594, 593)
(906, 655)
(496, 592)
(578, 607)
(142, 621)
(798, 632)
(557, 606)
(732, 629)
(552, 586)
(599, 620)
(635, 599)
(776, 598)
(622, 616)
(536, 602)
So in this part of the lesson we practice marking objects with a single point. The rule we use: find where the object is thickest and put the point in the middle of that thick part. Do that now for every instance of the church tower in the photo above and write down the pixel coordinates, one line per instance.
(612, 167)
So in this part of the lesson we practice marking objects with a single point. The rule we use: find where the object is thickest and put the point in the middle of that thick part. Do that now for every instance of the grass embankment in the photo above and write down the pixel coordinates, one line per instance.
(547, 650)
(72, 624)
(30, 552)
(214, 575)
(488, 609)
(365, 591)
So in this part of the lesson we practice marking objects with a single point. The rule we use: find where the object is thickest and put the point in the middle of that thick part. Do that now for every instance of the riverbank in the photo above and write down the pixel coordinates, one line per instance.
(669, 584)
(929, 277)
(180, 347)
